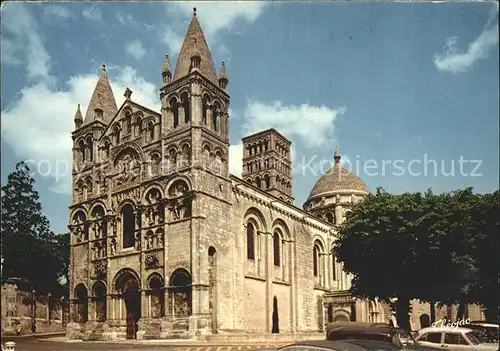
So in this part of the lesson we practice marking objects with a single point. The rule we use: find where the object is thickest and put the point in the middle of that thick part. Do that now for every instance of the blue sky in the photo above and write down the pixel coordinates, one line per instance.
(406, 82)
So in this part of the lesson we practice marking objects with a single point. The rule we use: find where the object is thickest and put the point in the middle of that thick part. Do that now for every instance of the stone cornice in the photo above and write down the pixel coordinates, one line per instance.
(271, 202)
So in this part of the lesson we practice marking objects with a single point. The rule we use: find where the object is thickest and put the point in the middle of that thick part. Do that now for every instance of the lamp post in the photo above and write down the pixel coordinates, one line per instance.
(33, 322)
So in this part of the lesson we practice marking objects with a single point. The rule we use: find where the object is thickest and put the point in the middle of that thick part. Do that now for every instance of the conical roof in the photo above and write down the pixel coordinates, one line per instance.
(223, 71)
(78, 114)
(195, 43)
(102, 98)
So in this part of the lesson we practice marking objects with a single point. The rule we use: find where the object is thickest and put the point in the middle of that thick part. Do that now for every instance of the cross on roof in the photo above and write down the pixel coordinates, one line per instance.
(127, 94)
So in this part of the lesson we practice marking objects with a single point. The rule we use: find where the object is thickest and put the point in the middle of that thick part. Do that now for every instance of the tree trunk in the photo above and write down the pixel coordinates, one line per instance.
(461, 310)
(433, 311)
(402, 313)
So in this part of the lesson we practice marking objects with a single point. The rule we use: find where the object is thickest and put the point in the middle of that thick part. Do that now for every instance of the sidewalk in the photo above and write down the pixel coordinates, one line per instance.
(176, 342)
(42, 335)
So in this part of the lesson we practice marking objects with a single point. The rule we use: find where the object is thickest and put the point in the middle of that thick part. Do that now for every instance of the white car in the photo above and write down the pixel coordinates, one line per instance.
(452, 338)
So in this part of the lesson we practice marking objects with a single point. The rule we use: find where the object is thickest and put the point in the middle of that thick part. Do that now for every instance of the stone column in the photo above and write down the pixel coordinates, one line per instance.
(269, 264)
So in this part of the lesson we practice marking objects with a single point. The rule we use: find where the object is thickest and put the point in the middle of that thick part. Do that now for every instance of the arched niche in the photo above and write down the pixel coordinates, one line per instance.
(81, 304)
(180, 293)
(155, 286)
(99, 295)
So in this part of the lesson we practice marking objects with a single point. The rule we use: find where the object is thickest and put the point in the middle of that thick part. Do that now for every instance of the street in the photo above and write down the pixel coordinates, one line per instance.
(33, 344)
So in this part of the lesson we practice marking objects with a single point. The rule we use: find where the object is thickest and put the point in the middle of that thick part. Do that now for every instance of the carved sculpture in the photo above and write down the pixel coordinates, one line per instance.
(100, 268)
(112, 247)
(151, 260)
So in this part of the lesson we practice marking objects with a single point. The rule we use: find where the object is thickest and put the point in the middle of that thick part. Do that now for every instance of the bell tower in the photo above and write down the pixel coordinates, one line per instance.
(267, 163)
(195, 106)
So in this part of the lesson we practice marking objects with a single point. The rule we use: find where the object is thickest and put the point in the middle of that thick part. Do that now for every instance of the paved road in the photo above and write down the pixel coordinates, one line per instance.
(32, 344)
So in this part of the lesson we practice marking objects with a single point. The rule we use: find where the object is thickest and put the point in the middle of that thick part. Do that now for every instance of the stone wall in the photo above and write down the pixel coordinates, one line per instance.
(19, 310)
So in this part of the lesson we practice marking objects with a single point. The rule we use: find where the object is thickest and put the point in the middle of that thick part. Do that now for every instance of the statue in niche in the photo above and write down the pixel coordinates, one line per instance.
(96, 229)
(127, 171)
(138, 241)
(149, 241)
(153, 196)
(112, 246)
(95, 251)
(78, 232)
(152, 261)
(159, 239)
(178, 189)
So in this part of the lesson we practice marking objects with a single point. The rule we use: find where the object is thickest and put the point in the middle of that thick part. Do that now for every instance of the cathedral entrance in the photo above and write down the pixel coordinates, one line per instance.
(128, 285)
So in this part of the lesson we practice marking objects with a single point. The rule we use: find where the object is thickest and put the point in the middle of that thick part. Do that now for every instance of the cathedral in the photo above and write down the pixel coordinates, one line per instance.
(166, 243)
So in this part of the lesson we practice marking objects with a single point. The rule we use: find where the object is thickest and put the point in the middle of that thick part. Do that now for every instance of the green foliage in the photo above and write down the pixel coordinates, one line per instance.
(434, 247)
(29, 248)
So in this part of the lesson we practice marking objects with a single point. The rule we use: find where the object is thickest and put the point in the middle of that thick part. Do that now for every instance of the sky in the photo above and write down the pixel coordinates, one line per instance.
(407, 91)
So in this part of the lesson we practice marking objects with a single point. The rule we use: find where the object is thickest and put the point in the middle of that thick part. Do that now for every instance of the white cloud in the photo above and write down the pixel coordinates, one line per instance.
(92, 13)
(22, 43)
(135, 49)
(312, 126)
(44, 116)
(236, 159)
(56, 11)
(38, 124)
(214, 17)
(457, 62)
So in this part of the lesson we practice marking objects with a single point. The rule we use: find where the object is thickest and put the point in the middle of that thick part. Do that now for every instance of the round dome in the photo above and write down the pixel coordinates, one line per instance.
(338, 178)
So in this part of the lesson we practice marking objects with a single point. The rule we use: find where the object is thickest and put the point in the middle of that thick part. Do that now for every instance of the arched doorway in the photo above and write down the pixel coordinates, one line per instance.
(180, 291)
(425, 321)
(128, 286)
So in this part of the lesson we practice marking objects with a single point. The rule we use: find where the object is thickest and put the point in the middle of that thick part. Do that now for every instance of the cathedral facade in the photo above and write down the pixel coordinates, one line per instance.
(166, 243)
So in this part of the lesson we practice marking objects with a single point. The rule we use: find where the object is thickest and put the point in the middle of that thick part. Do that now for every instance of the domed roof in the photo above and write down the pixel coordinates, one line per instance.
(338, 178)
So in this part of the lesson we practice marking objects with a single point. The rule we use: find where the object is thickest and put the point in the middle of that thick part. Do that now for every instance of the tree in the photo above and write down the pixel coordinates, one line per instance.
(379, 245)
(30, 249)
(484, 247)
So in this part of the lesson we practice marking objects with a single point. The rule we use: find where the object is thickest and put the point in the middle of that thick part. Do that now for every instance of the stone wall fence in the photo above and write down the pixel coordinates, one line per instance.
(21, 307)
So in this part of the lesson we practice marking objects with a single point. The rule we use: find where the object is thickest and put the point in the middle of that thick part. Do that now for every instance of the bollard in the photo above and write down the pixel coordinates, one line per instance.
(10, 346)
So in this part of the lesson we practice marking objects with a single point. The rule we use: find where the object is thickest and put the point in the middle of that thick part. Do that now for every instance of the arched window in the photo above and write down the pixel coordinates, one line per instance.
(151, 131)
(128, 122)
(258, 182)
(276, 248)
(117, 135)
(128, 226)
(215, 117)
(315, 261)
(329, 217)
(185, 106)
(90, 147)
(250, 241)
(334, 268)
(204, 111)
(267, 180)
(175, 112)
(138, 126)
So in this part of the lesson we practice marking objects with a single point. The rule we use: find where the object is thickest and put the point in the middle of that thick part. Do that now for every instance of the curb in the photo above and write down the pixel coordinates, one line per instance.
(40, 335)
(166, 342)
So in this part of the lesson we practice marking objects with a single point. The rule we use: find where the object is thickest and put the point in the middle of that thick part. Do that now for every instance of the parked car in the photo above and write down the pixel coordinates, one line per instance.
(452, 338)
(375, 332)
(343, 345)
(487, 332)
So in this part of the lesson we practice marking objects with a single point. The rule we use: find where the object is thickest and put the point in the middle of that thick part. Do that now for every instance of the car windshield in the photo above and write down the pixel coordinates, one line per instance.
(473, 339)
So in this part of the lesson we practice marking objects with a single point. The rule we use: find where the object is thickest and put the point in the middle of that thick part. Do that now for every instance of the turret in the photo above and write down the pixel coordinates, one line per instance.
(166, 72)
(223, 76)
(78, 118)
